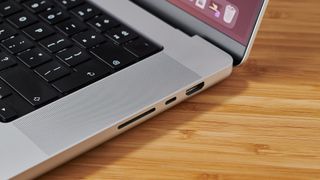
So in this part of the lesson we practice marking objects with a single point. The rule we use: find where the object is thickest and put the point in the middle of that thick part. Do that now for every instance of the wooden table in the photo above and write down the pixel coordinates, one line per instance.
(261, 123)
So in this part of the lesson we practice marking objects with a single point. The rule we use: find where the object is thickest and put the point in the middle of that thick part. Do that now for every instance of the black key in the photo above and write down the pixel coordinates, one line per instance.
(30, 87)
(18, 103)
(22, 19)
(89, 39)
(103, 23)
(121, 34)
(52, 71)
(34, 57)
(114, 56)
(54, 15)
(37, 6)
(6, 113)
(73, 56)
(38, 31)
(55, 43)
(85, 11)
(71, 27)
(4, 90)
(6, 31)
(142, 47)
(8, 8)
(6, 61)
(68, 4)
(17, 44)
(87, 72)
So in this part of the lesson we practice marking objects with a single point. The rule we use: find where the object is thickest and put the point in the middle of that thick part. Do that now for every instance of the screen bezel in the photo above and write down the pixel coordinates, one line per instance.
(194, 26)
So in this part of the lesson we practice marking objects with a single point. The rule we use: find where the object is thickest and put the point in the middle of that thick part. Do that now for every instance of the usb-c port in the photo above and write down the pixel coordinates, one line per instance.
(171, 100)
(194, 89)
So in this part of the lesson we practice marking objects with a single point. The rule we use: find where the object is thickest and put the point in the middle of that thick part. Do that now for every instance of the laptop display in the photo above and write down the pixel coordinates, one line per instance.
(234, 18)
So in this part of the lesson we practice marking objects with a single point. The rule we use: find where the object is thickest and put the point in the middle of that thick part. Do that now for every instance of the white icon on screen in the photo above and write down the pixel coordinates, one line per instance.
(229, 14)
(201, 3)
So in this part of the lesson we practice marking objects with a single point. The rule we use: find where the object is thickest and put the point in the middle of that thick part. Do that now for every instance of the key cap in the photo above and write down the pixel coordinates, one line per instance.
(71, 27)
(85, 11)
(17, 44)
(33, 57)
(54, 15)
(55, 43)
(38, 31)
(8, 8)
(89, 39)
(6, 113)
(19, 104)
(87, 72)
(121, 34)
(22, 19)
(6, 61)
(115, 56)
(103, 23)
(68, 4)
(52, 71)
(73, 56)
(6, 31)
(4, 90)
(142, 47)
(30, 87)
(37, 6)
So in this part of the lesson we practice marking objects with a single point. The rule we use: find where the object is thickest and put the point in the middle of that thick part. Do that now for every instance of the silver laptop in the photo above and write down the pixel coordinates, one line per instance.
(75, 73)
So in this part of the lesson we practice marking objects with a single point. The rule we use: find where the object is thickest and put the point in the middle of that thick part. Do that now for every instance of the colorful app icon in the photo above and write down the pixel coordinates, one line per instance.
(201, 3)
(215, 8)
(229, 14)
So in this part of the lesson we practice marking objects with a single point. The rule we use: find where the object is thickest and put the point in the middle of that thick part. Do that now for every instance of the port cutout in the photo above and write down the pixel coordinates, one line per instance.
(194, 89)
(136, 118)
(171, 100)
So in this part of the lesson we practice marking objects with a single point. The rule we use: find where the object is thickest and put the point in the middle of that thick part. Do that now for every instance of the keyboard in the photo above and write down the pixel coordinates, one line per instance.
(52, 48)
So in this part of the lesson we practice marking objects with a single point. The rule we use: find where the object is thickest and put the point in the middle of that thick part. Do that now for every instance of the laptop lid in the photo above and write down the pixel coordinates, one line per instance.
(229, 24)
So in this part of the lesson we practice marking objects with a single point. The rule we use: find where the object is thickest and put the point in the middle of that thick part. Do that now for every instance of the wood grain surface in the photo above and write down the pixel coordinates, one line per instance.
(261, 123)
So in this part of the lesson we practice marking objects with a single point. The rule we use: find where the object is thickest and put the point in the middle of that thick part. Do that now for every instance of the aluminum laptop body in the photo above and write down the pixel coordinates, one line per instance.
(62, 130)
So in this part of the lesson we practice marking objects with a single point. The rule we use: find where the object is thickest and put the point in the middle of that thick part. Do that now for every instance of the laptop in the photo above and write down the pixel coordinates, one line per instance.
(75, 73)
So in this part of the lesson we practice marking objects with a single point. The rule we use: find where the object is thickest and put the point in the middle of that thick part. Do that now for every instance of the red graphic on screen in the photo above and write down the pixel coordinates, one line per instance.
(234, 18)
